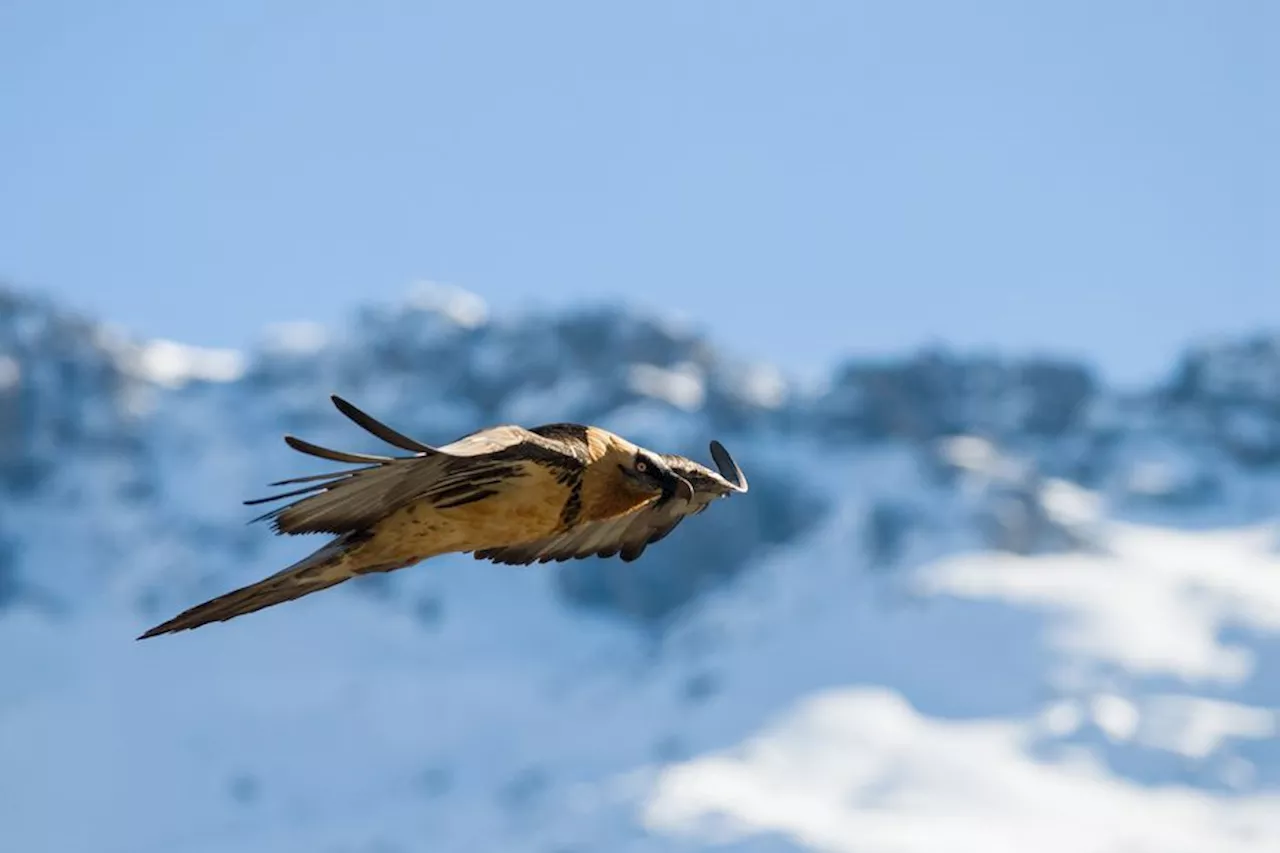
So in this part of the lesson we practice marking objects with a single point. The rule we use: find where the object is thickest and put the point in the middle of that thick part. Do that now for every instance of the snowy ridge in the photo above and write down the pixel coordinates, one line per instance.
(968, 605)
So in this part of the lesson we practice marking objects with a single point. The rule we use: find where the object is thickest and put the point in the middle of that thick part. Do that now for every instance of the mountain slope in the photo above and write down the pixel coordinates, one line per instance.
(969, 604)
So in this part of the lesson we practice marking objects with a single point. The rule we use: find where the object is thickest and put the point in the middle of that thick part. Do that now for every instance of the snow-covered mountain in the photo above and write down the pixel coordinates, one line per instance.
(970, 603)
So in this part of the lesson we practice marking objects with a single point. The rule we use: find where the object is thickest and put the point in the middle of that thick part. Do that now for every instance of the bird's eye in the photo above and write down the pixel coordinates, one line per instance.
(642, 466)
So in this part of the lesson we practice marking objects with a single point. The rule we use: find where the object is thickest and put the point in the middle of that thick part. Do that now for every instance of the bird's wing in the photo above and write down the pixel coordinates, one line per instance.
(470, 469)
(627, 536)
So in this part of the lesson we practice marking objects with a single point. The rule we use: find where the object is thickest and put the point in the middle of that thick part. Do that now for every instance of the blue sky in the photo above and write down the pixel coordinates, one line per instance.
(803, 180)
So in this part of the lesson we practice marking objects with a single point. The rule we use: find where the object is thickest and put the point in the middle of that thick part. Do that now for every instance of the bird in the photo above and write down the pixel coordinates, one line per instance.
(506, 494)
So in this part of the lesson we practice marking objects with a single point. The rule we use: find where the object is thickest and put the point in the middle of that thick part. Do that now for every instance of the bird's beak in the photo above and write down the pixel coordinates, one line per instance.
(683, 489)
(729, 470)
(675, 486)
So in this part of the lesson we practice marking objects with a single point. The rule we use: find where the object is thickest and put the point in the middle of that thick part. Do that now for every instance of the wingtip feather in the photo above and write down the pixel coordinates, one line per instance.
(379, 429)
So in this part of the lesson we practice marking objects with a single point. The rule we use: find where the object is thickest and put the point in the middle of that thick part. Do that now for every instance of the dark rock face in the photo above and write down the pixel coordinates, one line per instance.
(935, 394)
(1229, 394)
(10, 587)
(60, 390)
(885, 529)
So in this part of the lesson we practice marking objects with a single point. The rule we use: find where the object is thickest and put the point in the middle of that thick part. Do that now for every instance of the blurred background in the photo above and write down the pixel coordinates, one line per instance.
(983, 298)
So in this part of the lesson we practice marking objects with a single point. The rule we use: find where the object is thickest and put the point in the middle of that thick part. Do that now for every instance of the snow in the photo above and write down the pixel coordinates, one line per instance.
(859, 769)
(1158, 604)
(764, 386)
(10, 372)
(296, 338)
(682, 386)
(172, 364)
(459, 306)
(1115, 715)
(981, 458)
(1197, 727)
(1070, 505)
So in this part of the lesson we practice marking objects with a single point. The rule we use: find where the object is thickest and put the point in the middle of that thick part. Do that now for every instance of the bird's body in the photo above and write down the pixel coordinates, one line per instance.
(506, 494)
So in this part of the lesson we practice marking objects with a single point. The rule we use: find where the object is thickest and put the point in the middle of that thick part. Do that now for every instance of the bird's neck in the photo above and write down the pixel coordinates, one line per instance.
(605, 492)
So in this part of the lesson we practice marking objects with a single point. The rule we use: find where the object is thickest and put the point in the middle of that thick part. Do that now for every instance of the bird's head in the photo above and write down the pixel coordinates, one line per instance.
(646, 473)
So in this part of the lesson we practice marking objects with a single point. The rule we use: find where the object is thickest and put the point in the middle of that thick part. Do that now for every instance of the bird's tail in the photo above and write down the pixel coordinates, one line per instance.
(326, 567)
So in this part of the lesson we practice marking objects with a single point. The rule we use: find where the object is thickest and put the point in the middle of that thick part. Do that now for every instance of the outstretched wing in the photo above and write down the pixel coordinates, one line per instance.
(628, 536)
(469, 469)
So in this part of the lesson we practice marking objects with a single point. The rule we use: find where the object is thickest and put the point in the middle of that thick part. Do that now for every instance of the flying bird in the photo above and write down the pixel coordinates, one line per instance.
(506, 494)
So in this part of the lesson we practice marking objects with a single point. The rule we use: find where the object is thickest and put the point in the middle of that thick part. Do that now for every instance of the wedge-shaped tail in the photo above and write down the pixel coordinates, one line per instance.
(324, 568)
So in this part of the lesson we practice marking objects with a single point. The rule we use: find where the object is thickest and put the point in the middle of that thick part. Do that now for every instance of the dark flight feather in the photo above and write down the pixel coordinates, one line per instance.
(467, 470)
(304, 446)
(378, 428)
